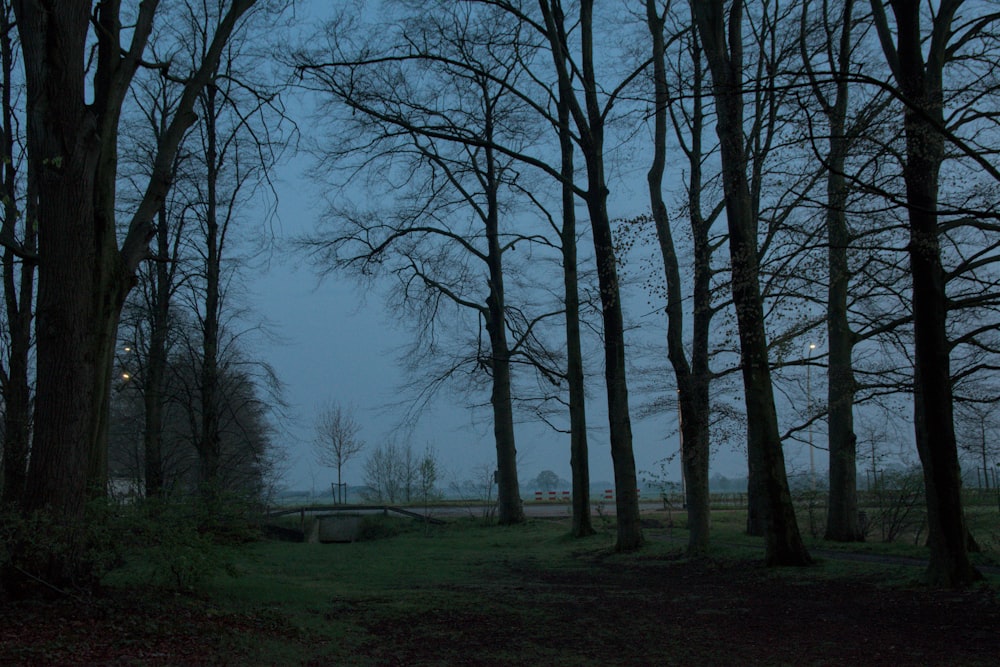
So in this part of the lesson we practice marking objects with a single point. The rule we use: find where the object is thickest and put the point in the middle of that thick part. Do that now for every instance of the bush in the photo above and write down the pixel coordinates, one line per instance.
(43, 554)
(895, 505)
(173, 549)
(170, 545)
(378, 527)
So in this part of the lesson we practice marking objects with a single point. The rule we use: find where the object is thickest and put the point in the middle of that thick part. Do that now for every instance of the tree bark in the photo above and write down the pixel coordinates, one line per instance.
(921, 83)
(509, 506)
(590, 124)
(783, 540)
(691, 388)
(579, 458)
(83, 276)
(842, 506)
(18, 285)
(72, 278)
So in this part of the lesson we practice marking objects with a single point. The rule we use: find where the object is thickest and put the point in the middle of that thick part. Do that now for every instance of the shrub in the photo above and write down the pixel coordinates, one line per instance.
(173, 549)
(378, 527)
(43, 554)
(895, 504)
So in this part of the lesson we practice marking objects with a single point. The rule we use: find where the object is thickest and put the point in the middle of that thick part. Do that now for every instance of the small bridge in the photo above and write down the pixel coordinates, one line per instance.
(332, 510)
(303, 510)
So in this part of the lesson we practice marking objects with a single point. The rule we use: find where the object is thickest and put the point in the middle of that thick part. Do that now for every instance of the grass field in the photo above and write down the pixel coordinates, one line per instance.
(465, 593)
(344, 602)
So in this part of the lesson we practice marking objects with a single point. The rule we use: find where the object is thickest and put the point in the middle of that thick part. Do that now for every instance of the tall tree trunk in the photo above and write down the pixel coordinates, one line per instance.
(842, 523)
(74, 276)
(693, 425)
(209, 441)
(589, 121)
(579, 458)
(783, 540)
(696, 431)
(921, 84)
(842, 507)
(83, 277)
(156, 367)
(18, 285)
(509, 505)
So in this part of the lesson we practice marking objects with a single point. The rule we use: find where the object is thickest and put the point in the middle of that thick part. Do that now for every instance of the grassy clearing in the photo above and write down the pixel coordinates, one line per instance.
(333, 603)
(336, 598)
(519, 593)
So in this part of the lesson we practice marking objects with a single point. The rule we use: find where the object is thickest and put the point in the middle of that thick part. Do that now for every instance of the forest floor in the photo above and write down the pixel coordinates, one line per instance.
(599, 608)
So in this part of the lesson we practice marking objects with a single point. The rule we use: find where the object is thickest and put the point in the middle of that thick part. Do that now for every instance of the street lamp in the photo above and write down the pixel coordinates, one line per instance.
(125, 375)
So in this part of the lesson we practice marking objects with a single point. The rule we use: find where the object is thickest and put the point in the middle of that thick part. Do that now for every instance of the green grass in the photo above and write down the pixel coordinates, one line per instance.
(332, 595)
(330, 603)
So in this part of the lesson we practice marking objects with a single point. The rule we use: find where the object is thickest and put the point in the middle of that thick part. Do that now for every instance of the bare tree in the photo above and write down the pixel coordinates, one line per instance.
(920, 79)
(223, 162)
(456, 144)
(336, 441)
(18, 230)
(842, 514)
(231, 151)
(721, 32)
(78, 74)
(979, 432)
(395, 473)
(693, 376)
(589, 115)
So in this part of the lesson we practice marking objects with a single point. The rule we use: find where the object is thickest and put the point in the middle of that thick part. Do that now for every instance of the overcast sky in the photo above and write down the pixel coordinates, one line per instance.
(336, 343)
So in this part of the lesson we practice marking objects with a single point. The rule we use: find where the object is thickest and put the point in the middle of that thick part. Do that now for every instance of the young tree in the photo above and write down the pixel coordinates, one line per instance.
(395, 473)
(979, 433)
(428, 471)
(336, 441)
